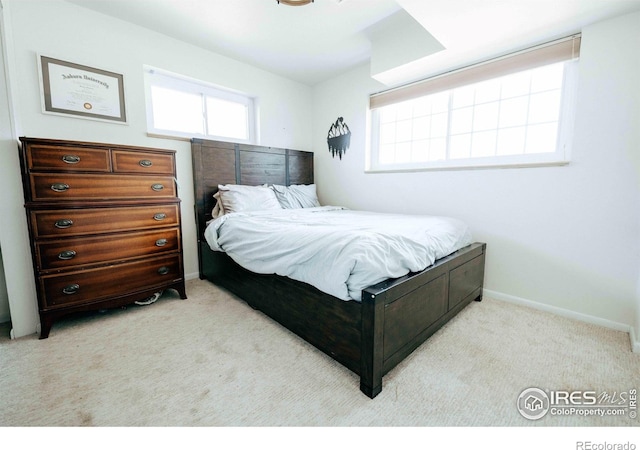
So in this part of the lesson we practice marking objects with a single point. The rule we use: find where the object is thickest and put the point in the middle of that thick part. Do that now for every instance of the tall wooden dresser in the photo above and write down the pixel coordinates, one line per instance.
(104, 223)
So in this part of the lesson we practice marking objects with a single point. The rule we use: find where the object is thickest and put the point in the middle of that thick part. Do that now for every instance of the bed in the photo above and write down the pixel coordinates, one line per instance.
(369, 335)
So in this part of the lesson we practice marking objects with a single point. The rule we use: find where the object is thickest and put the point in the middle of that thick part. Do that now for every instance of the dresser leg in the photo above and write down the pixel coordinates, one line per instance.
(182, 291)
(45, 326)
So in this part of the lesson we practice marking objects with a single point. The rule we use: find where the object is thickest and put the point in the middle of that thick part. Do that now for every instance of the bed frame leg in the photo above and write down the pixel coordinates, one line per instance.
(369, 391)
(371, 354)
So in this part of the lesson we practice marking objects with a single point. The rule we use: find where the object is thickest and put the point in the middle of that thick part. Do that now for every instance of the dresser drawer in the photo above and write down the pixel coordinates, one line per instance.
(142, 162)
(93, 285)
(52, 157)
(73, 252)
(68, 186)
(79, 222)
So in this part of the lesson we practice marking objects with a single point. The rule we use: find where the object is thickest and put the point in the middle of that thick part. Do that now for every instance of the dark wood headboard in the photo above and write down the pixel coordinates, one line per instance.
(218, 162)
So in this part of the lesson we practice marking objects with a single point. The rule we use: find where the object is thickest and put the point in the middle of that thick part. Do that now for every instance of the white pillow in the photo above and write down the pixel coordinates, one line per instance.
(236, 198)
(296, 195)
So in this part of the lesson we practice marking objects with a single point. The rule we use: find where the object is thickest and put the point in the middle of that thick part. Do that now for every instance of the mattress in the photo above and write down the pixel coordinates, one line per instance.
(337, 250)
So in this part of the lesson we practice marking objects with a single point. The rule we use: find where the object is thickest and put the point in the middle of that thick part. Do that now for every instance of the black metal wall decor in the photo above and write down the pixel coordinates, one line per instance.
(338, 138)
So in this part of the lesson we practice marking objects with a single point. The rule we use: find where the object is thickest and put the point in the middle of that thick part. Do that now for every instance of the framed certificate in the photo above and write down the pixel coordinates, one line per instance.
(81, 91)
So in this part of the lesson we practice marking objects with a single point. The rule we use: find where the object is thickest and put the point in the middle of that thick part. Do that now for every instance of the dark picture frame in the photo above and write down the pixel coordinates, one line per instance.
(81, 91)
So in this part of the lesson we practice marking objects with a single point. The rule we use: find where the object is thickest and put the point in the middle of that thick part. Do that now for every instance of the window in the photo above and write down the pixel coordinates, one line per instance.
(181, 107)
(508, 116)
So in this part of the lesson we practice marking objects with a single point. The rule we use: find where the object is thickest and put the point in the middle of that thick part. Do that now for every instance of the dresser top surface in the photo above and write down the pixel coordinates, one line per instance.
(87, 144)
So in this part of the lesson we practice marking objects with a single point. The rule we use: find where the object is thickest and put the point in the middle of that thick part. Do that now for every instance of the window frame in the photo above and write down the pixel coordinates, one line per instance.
(169, 80)
(561, 155)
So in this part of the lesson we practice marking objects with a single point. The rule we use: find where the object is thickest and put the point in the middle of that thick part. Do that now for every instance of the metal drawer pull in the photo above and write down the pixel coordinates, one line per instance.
(161, 242)
(59, 187)
(157, 187)
(63, 223)
(71, 289)
(163, 270)
(71, 159)
(159, 216)
(67, 254)
(145, 163)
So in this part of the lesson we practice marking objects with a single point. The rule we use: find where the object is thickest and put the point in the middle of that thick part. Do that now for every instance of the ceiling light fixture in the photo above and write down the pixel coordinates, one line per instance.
(294, 2)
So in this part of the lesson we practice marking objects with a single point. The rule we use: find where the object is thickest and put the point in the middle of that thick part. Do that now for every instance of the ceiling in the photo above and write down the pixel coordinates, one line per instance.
(316, 42)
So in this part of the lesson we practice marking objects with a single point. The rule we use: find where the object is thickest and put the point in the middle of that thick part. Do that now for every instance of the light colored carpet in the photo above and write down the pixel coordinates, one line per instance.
(211, 360)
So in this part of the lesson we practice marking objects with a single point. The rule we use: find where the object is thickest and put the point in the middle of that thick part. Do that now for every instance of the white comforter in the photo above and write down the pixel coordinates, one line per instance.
(337, 250)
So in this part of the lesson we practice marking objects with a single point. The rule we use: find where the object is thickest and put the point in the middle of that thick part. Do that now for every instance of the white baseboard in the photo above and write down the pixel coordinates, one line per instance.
(191, 276)
(635, 340)
(635, 344)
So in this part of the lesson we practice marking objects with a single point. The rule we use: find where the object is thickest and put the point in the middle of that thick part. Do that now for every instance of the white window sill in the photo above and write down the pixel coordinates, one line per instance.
(443, 167)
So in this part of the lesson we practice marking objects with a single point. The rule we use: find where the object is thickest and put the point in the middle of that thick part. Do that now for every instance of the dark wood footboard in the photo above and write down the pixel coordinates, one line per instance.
(399, 315)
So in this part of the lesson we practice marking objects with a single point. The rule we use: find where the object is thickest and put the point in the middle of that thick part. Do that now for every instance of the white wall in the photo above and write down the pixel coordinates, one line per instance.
(566, 237)
(5, 312)
(62, 30)
(18, 281)
(5, 132)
